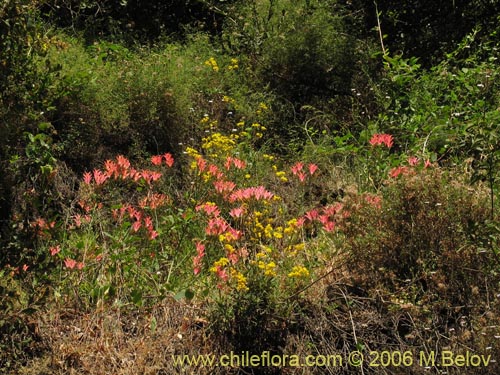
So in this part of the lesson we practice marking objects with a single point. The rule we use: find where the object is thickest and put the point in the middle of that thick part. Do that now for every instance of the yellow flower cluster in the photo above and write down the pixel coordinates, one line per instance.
(268, 157)
(241, 280)
(233, 65)
(299, 271)
(262, 108)
(221, 263)
(268, 268)
(211, 62)
(228, 99)
(280, 174)
(193, 152)
(218, 144)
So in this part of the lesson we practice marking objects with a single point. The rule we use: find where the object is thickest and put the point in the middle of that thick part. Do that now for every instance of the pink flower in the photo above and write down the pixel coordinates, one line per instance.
(237, 212)
(200, 253)
(382, 139)
(136, 226)
(111, 168)
(99, 177)
(427, 164)
(232, 234)
(239, 164)
(233, 257)
(312, 214)
(87, 178)
(214, 171)
(78, 220)
(169, 159)
(216, 226)
(224, 186)
(148, 223)
(210, 209)
(329, 226)
(70, 263)
(55, 250)
(332, 209)
(25, 267)
(80, 265)
(156, 159)
(257, 192)
(221, 273)
(123, 162)
(413, 160)
(297, 167)
(202, 164)
(374, 200)
(152, 234)
(395, 172)
(312, 168)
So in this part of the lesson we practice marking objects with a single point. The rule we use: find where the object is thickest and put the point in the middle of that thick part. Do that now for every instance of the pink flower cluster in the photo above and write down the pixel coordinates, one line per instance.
(200, 253)
(121, 169)
(255, 192)
(239, 164)
(402, 170)
(157, 159)
(140, 220)
(297, 170)
(382, 139)
(326, 216)
(71, 264)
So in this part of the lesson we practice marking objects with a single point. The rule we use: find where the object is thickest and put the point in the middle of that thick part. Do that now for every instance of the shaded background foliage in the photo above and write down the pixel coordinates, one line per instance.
(134, 19)
(428, 29)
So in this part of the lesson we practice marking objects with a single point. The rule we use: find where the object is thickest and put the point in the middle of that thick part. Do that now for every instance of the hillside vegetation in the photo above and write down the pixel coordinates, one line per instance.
(205, 177)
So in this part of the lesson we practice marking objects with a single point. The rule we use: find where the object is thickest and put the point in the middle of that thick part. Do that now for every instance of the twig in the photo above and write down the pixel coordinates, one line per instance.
(379, 27)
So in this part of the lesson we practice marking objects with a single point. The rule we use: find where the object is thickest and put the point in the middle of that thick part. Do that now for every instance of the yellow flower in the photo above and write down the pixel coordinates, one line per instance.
(241, 281)
(299, 271)
(211, 62)
(268, 231)
(278, 233)
(268, 157)
(299, 247)
(270, 269)
(218, 143)
(222, 262)
(192, 152)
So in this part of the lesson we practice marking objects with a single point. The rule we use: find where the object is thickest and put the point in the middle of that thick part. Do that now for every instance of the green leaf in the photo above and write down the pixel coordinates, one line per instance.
(184, 294)
(136, 296)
